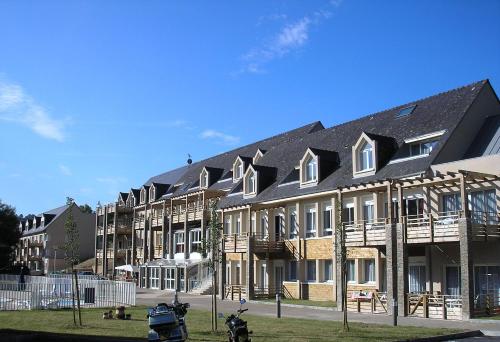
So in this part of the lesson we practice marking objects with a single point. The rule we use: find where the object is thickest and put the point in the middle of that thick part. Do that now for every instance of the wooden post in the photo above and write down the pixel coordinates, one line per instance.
(78, 297)
(426, 306)
(463, 196)
(444, 307)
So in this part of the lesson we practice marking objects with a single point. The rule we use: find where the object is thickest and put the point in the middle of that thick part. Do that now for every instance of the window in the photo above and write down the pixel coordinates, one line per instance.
(143, 196)
(487, 282)
(195, 239)
(453, 280)
(293, 224)
(327, 220)
(263, 224)
(422, 148)
(351, 271)
(368, 211)
(154, 278)
(366, 157)
(251, 183)
(170, 278)
(483, 207)
(452, 203)
(310, 222)
(179, 242)
(311, 270)
(204, 179)
(405, 111)
(348, 213)
(311, 169)
(227, 225)
(238, 170)
(292, 270)
(416, 278)
(238, 225)
(328, 264)
(152, 193)
(369, 270)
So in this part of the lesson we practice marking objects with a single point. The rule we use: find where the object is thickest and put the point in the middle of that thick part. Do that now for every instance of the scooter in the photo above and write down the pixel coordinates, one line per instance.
(166, 322)
(238, 331)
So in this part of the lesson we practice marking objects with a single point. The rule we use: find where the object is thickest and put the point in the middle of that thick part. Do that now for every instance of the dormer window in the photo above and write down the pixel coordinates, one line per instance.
(250, 182)
(143, 195)
(237, 170)
(365, 156)
(309, 169)
(422, 148)
(259, 154)
(204, 179)
(152, 193)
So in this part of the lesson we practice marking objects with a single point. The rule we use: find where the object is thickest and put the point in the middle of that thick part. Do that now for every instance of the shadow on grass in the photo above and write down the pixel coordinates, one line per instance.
(36, 336)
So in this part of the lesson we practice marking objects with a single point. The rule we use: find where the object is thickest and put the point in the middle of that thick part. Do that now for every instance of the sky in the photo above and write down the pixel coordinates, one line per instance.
(97, 96)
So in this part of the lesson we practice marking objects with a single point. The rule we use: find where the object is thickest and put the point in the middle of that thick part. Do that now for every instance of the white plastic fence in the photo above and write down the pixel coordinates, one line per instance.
(55, 293)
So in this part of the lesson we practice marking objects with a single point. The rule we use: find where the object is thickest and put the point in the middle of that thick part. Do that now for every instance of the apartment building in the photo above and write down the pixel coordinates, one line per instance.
(413, 190)
(41, 244)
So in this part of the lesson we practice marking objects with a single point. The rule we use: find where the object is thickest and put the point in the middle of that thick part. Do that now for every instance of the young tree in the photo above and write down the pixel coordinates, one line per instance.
(211, 248)
(340, 235)
(9, 234)
(71, 253)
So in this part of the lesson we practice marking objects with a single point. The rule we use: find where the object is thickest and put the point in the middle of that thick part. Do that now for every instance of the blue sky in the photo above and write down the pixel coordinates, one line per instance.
(96, 96)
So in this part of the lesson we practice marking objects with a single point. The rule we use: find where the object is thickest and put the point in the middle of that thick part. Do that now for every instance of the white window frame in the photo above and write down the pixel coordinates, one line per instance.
(293, 226)
(365, 153)
(310, 233)
(324, 263)
(195, 239)
(327, 207)
(204, 177)
(178, 241)
(170, 278)
(238, 169)
(154, 281)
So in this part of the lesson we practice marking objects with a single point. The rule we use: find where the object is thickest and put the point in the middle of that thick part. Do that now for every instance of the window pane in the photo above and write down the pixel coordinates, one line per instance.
(328, 270)
(311, 270)
(351, 272)
(369, 270)
(293, 270)
(416, 277)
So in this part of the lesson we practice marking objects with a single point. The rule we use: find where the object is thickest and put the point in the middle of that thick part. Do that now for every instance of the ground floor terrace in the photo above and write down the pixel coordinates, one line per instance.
(431, 278)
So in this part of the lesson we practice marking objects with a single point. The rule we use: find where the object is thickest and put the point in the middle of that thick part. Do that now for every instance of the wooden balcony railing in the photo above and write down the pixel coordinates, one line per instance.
(157, 221)
(487, 304)
(262, 244)
(434, 306)
(485, 225)
(234, 243)
(36, 244)
(139, 222)
(235, 291)
(158, 251)
(365, 233)
(369, 300)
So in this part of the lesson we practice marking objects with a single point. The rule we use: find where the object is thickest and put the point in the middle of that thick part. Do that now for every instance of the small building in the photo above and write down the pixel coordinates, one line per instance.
(43, 235)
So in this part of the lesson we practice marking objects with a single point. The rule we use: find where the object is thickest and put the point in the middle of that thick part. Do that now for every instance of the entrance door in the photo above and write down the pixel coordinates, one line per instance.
(277, 227)
(487, 283)
(453, 284)
(278, 278)
(263, 276)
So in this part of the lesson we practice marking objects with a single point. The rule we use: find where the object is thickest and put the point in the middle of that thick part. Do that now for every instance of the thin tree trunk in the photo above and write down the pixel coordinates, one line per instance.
(215, 297)
(73, 294)
(78, 298)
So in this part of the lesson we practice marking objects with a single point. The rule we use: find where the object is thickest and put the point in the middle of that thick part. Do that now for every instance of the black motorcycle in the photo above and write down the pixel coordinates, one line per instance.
(167, 322)
(238, 331)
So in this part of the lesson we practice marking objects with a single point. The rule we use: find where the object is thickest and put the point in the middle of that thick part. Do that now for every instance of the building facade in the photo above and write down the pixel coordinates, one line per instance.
(413, 191)
(42, 240)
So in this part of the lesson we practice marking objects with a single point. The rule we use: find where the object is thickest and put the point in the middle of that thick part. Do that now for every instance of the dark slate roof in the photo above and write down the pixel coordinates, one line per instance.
(169, 177)
(225, 160)
(54, 213)
(439, 112)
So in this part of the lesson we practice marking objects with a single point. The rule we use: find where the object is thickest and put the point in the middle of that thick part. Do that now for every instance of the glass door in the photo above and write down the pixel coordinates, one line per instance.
(416, 278)
(453, 286)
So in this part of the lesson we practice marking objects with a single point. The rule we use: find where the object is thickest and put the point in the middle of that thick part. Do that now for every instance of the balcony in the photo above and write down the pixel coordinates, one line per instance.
(434, 306)
(99, 230)
(140, 252)
(139, 222)
(34, 258)
(238, 243)
(156, 220)
(158, 251)
(110, 228)
(110, 253)
(98, 253)
(365, 233)
(124, 226)
(485, 225)
(194, 212)
(121, 252)
(36, 243)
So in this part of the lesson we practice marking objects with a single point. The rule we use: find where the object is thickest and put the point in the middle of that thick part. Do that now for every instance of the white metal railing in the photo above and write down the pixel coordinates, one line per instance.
(56, 292)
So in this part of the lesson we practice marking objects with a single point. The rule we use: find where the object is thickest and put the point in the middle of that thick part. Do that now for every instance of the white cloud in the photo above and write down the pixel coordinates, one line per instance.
(291, 37)
(17, 106)
(66, 171)
(225, 138)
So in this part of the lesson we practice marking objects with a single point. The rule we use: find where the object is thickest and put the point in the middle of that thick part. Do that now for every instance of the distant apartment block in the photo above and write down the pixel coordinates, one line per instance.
(414, 189)
(43, 236)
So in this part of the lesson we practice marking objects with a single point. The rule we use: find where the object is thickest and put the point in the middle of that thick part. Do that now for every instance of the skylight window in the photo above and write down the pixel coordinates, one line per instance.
(405, 111)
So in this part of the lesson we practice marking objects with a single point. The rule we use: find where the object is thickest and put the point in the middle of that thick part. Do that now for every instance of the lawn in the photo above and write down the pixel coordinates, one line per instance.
(198, 322)
(320, 303)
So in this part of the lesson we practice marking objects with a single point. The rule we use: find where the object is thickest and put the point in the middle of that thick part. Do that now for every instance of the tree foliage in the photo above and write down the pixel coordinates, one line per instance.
(86, 209)
(9, 234)
(211, 249)
(71, 241)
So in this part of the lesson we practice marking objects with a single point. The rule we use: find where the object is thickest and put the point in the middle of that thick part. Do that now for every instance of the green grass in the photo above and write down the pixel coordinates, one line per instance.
(198, 321)
(320, 303)
(497, 317)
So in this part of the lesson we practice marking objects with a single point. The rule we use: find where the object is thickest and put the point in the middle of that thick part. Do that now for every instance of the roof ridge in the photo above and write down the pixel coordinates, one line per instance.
(481, 82)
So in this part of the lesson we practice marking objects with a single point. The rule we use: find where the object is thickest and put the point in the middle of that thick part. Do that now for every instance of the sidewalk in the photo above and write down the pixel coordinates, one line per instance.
(152, 297)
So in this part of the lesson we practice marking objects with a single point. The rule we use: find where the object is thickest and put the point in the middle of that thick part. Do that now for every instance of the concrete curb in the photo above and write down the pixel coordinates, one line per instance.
(295, 305)
(457, 336)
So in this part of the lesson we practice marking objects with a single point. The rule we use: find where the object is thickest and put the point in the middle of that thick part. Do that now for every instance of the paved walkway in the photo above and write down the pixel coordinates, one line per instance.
(152, 297)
